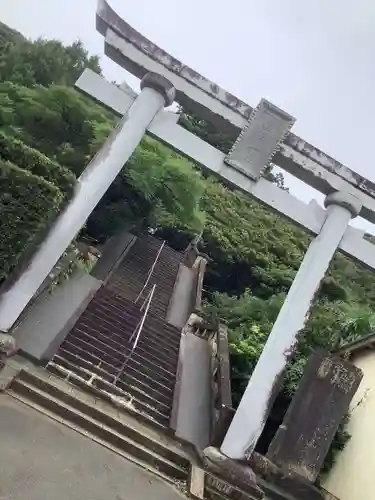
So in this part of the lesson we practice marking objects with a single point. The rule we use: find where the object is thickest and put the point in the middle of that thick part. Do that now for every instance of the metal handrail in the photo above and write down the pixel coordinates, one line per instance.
(150, 272)
(137, 331)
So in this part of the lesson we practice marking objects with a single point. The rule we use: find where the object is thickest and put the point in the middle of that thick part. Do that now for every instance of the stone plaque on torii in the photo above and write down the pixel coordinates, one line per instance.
(258, 135)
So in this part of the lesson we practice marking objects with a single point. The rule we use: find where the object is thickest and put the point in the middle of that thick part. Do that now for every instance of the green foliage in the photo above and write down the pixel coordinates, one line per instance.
(27, 203)
(156, 185)
(57, 121)
(68, 128)
(208, 132)
(44, 62)
(15, 151)
(255, 252)
(168, 182)
(39, 107)
(8, 36)
(250, 246)
(250, 319)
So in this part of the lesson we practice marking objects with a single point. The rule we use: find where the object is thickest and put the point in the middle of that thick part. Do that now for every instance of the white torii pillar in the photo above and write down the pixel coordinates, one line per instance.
(253, 410)
(157, 92)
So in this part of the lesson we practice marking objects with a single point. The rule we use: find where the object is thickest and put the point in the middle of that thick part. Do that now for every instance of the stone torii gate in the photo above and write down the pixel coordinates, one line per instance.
(259, 134)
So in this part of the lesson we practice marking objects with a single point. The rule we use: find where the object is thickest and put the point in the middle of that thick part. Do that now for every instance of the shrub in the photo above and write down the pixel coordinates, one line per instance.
(27, 205)
(18, 153)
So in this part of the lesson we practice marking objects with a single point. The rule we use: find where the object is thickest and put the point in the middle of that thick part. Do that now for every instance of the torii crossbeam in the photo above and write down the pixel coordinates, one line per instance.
(258, 134)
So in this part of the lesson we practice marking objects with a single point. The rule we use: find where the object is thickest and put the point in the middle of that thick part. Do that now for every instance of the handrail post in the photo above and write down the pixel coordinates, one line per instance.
(137, 329)
(150, 272)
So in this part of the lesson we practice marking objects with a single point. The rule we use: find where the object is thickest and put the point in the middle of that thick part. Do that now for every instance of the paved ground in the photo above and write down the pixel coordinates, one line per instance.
(41, 459)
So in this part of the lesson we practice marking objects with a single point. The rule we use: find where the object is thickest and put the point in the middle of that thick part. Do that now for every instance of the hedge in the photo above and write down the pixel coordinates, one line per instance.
(18, 153)
(27, 205)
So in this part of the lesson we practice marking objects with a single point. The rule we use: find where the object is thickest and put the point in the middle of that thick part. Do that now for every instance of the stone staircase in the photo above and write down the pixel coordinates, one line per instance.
(125, 407)
(93, 385)
(116, 426)
(131, 274)
(98, 345)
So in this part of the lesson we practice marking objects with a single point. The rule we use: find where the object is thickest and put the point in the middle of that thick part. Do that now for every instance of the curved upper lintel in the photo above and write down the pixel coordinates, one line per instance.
(137, 54)
(219, 106)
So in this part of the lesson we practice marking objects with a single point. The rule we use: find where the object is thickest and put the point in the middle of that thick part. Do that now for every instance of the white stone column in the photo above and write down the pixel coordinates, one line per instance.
(255, 404)
(156, 93)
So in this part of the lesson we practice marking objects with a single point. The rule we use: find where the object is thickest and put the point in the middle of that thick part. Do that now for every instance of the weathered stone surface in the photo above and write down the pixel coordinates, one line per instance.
(217, 485)
(232, 472)
(310, 216)
(9, 369)
(131, 50)
(259, 140)
(326, 389)
(225, 417)
(285, 485)
(196, 482)
(7, 344)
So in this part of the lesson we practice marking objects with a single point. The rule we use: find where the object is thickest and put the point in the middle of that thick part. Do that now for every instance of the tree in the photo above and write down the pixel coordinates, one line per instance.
(8, 36)
(44, 62)
(255, 253)
(69, 128)
(57, 120)
(155, 185)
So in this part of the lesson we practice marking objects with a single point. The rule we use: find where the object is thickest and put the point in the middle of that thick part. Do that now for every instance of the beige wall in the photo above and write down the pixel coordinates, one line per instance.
(353, 476)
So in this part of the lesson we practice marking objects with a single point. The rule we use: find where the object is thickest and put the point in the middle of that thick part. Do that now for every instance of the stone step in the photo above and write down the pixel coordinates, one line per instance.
(128, 384)
(139, 269)
(30, 393)
(211, 494)
(125, 325)
(107, 413)
(129, 289)
(116, 315)
(113, 392)
(123, 404)
(96, 326)
(111, 371)
(137, 362)
(118, 350)
(131, 275)
(63, 421)
(157, 242)
(148, 252)
(123, 339)
(114, 342)
(129, 281)
(116, 359)
(118, 305)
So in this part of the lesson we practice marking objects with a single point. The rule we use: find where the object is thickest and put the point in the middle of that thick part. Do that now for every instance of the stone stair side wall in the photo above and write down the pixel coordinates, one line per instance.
(52, 316)
(46, 324)
(191, 417)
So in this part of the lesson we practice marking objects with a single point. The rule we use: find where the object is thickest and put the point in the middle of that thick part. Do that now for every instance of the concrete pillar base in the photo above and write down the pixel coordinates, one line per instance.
(235, 472)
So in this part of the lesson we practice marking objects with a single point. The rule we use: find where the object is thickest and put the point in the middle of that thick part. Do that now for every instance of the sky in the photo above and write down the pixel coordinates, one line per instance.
(315, 60)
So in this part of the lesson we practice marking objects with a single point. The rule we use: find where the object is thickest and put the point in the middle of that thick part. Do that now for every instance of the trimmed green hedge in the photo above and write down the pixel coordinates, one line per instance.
(16, 152)
(27, 205)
